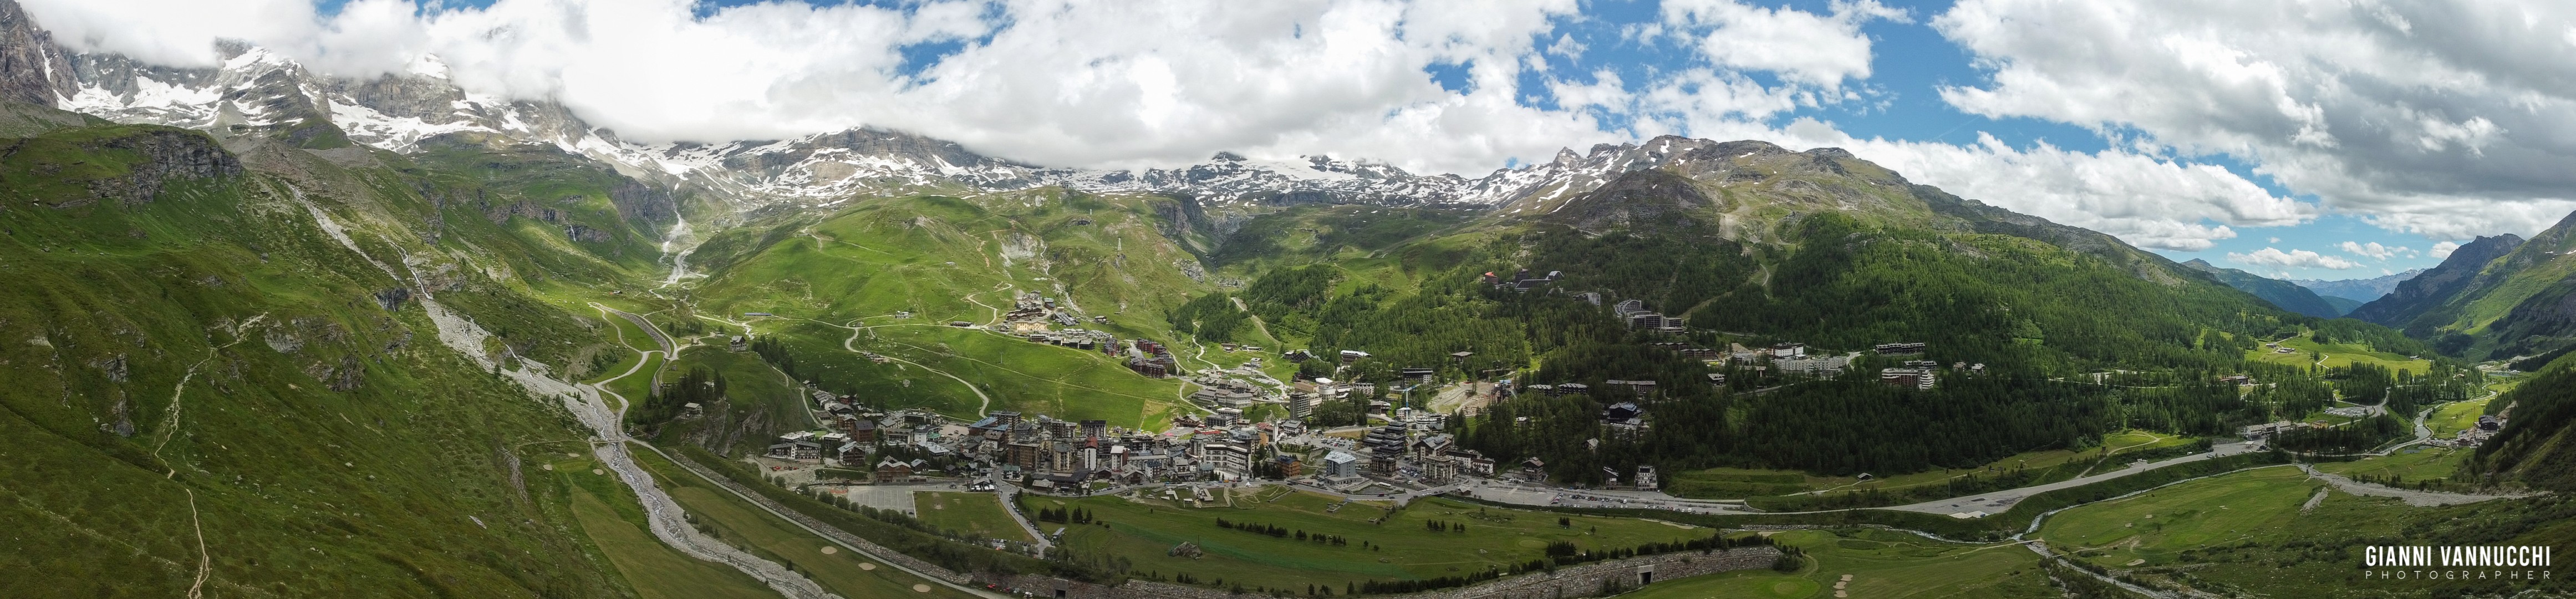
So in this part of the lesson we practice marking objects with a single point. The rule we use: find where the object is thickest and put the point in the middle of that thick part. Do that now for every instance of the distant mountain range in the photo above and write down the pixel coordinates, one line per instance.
(2360, 291)
(2281, 293)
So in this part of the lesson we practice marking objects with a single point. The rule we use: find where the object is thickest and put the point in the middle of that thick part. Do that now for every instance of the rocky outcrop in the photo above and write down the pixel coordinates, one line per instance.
(585, 233)
(32, 68)
(647, 207)
(1650, 199)
(166, 156)
(392, 299)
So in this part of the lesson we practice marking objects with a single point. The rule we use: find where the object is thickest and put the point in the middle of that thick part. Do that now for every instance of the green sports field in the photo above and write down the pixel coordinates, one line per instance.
(974, 514)
(1402, 547)
(1881, 564)
(2151, 528)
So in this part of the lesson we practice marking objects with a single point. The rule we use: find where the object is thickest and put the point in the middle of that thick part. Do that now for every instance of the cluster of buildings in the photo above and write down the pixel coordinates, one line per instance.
(1634, 313)
(1918, 374)
(1086, 339)
(1216, 392)
(855, 435)
(1030, 307)
(1039, 453)
(1152, 359)
(1403, 453)
(2475, 435)
(1523, 280)
(1304, 396)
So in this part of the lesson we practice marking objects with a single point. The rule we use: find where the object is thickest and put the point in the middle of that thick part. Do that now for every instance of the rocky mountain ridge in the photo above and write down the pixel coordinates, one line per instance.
(258, 91)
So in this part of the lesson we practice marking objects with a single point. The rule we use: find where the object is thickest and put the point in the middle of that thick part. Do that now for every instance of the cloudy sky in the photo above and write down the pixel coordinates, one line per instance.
(2312, 139)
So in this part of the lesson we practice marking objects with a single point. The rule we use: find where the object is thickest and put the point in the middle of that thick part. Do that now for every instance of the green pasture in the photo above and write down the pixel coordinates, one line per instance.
(2410, 464)
(2337, 355)
(2455, 417)
(972, 514)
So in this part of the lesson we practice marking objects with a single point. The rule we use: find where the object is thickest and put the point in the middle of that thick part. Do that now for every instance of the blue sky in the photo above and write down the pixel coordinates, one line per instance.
(1897, 108)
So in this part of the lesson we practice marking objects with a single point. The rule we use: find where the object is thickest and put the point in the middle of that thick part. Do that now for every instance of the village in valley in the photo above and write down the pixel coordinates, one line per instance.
(1300, 435)
(1250, 430)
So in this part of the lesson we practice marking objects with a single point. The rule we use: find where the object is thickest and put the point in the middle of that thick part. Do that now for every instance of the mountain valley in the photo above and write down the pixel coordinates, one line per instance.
(280, 333)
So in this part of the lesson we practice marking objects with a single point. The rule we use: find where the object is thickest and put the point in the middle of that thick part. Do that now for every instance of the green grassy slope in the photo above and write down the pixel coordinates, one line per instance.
(834, 283)
(206, 392)
(2509, 300)
(2254, 533)
(2538, 442)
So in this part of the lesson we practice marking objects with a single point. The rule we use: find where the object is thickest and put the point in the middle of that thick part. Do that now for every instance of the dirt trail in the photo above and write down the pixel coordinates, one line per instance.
(848, 345)
(205, 561)
(170, 424)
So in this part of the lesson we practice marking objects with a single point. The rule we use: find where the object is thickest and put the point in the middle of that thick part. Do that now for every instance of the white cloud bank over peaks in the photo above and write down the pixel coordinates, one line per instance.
(2274, 257)
(1065, 83)
(2375, 251)
(2441, 117)
(1050, 82)
(1160, 82)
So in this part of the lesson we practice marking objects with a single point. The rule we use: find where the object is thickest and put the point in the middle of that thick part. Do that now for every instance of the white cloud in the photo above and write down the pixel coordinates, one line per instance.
(2444, 249)
(1819, 49)
(2444, 118)
(2276, 258)
(172, 32)
(2374, 250)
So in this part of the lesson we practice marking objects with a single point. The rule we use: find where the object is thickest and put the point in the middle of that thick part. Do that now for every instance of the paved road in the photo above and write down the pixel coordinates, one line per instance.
(1998, 501)
(854, 543)
(1008, 493)
(2410, 496)
(669, 351)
